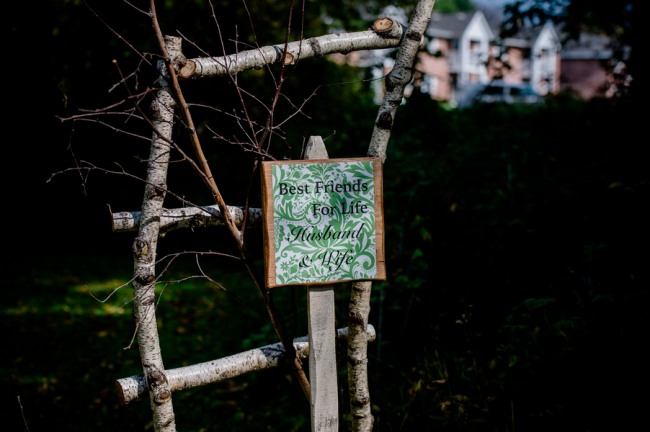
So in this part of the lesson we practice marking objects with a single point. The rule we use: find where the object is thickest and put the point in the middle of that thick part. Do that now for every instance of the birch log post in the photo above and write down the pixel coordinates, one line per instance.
(359, 308)
(144, 250)
(322, 338)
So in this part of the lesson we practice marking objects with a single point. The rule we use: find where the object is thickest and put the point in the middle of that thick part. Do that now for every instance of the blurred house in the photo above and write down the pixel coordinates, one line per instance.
(455, 56)
(592, 66)
(461, 53)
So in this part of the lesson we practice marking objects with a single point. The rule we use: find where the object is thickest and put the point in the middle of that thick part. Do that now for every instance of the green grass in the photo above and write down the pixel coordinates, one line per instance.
(68, 335)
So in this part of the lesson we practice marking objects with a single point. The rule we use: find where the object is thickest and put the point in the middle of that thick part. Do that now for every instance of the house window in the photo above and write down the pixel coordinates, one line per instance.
(435, 47)
(432, 83)
(477, 56)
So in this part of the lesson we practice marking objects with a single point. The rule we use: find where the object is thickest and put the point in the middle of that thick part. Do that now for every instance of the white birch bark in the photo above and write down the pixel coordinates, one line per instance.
(399, 77)
(187, 218)
(132, 388)
(385, 33)
(144, 251)
(395, 83)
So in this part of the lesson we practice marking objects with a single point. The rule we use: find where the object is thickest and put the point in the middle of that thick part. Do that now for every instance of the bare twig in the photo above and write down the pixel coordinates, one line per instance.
(236, 233)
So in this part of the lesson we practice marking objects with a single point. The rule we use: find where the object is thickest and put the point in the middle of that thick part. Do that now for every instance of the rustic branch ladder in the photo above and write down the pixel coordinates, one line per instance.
(160, 382)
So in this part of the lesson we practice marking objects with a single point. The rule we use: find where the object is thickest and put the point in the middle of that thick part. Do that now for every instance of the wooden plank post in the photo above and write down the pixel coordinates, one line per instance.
(322, 337)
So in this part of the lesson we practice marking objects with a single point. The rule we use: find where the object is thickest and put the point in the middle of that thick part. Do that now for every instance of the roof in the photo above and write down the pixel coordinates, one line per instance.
(524, 37)
(588, 47)
(527, 36)
(449, 26)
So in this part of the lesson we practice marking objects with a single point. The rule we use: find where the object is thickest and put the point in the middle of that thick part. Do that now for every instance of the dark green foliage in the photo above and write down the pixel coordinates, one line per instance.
(450, 6)
(517, 296)
(516, 240)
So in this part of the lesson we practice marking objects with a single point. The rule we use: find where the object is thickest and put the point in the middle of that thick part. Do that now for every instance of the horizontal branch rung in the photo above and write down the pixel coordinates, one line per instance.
(131, 388)
(187, 217)
(385, 33)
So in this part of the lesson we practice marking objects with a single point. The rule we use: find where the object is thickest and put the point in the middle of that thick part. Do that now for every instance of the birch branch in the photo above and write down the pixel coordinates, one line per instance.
(144, 251)
(183, 378)
(187, 217)
(385, 33)
(399, 77)
(359, 308)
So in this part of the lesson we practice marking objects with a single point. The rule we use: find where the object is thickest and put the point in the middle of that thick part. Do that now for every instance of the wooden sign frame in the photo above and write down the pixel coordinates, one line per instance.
(323, 221)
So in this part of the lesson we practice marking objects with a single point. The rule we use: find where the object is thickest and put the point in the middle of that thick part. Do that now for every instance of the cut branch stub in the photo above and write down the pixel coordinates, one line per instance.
(383, 25)
(187, 70)
(289, 58)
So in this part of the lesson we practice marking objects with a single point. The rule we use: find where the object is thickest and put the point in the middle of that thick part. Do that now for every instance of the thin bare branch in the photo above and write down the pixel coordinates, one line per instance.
(203, 162)
(112, 293)
(119, 36)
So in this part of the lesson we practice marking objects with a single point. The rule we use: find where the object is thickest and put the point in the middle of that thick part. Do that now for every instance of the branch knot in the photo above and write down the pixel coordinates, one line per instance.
(385, 120)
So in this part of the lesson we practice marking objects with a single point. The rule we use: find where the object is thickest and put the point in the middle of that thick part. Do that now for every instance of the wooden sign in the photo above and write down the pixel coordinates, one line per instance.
(323, 221)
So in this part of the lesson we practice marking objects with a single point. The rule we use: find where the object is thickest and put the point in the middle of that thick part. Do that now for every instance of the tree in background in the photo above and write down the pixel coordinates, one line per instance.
(616, 19)
(450, 6)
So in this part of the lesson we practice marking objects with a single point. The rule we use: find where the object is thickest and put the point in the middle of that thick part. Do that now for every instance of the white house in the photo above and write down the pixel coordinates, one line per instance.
(462, 50)
(534, 58)
(456, 55)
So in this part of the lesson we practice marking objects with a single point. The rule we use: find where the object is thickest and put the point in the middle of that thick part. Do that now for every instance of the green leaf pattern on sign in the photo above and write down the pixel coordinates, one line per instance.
(323, 234)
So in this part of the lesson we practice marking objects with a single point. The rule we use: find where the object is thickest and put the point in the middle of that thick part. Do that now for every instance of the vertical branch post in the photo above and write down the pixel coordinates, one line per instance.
(359, 307)
(144, 249)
